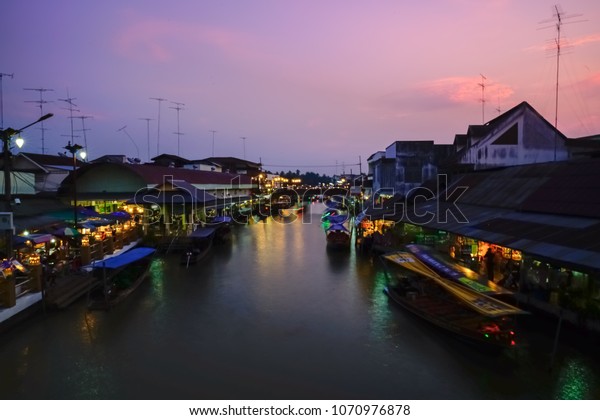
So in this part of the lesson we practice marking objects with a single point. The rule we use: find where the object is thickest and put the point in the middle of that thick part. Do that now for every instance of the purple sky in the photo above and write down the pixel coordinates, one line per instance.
(309, 83)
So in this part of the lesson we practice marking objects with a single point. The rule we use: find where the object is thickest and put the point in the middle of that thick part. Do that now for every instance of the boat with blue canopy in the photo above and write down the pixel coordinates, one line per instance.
(117, 277)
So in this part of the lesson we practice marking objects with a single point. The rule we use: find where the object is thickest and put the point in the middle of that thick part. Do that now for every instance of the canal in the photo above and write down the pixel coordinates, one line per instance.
(274, 315)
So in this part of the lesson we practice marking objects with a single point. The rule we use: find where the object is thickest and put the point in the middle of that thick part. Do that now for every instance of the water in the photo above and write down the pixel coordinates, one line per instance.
(273, 315)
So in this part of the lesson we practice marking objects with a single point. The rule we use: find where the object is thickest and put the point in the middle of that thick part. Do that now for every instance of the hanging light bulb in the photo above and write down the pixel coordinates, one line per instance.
(19, 142)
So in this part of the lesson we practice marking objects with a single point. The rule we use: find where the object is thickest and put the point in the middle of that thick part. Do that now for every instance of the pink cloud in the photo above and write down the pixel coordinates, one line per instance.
(160, 40)
(445, 93)
(588, 39)
(463, 90)
(590, 86)
(566, 43)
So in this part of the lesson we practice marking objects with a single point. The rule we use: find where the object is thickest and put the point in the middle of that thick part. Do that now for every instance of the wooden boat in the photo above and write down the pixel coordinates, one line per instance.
(471, 315)
(338, 236)
(455, 272)
(222, 225)
(200, 243)
(118, 277)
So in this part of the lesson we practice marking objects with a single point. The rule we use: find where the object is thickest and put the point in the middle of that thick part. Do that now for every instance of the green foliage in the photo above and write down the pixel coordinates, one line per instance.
(308, 178)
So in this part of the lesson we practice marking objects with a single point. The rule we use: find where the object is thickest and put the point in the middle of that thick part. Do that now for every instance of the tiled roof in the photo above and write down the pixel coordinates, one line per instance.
(156, 174)
(50, 160)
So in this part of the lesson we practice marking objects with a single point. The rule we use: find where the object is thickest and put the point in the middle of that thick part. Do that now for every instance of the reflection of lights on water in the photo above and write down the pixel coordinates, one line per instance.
(88, 326)
(157, 277)
(574, 381)
(380, 313)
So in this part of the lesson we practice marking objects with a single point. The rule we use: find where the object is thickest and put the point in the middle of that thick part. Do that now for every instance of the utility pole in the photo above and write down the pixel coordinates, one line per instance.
(147, 134)
(41, 103)
(178, 107)
(11, 75)
(159, 100)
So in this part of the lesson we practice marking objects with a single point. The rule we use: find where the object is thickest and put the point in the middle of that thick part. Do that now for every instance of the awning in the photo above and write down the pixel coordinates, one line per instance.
(567, 240)
(35, 238)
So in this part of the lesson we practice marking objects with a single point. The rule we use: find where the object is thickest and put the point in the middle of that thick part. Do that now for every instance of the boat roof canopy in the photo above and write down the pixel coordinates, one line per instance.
(126, 258)
(482, 303)
(203, 232)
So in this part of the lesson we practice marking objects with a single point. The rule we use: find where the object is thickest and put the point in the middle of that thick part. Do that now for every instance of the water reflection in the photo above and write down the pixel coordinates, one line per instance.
(271, 315)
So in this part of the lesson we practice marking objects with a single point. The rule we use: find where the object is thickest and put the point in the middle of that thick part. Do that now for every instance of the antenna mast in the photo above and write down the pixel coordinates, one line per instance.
(244, 142)
(1, 100)
(130, 138)
(40, 105)
(148, 133)
(71, 109)
(558, 19)
(159, 100)
(178, 107)
(482, 84)
(213, 142)
(83, 129)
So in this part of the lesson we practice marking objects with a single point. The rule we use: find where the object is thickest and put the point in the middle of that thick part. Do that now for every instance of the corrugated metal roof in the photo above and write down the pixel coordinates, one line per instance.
(545, 237)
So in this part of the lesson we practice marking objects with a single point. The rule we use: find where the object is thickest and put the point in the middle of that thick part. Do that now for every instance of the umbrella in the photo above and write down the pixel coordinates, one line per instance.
(66, 231)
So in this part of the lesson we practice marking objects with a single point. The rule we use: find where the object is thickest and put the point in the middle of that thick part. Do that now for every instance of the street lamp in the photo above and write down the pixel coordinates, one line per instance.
(6, 136)
(73, 149)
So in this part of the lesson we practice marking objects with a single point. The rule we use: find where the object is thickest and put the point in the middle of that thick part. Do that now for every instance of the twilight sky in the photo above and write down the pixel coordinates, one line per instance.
(310, 84)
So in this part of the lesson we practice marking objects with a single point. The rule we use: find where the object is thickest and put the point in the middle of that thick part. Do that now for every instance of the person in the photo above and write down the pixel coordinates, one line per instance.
(489, 264)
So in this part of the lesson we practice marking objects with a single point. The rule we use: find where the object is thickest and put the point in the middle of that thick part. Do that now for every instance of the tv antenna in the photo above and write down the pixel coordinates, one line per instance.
(40, 105)
(71, 108)
(178, 107)
(558, 20)
(213, 142)
(159, 100)
(147, 133)
(482, 84)
(244, 142)
(123, 129)
(83, 129)
(11, 75)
